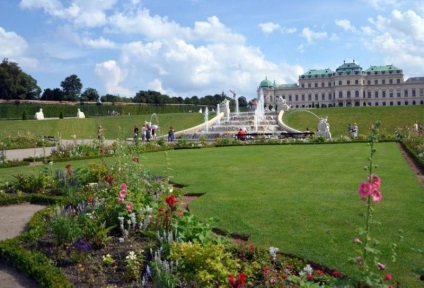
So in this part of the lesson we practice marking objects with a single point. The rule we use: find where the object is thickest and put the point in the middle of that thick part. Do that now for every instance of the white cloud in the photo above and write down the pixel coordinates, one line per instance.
(400, 38)
(98, 43)
(156, 85)
(382, 4)
(11, 44)
(311, 35)
(346, 25)
(15, 48)
(269, 27)
(80, 12)
(112, 76)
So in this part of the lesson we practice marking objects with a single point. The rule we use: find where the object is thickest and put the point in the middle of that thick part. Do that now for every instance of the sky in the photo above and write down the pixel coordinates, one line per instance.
(205, 47)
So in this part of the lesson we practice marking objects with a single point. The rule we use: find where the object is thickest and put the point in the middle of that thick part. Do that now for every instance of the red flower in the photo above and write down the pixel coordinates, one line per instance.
(266, 270)
(337, 274)
(90, 199)
(289, 267)
(388, 277)
(320, 272)
(68, 168)
(109, 178)
(252, 247)
(242, 278)
(171, 200)
(310, 277)
(232, 281)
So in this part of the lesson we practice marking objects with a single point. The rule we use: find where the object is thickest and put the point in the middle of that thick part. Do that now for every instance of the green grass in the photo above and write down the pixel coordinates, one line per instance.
(303, 199)
(116, 126)
(391, 117)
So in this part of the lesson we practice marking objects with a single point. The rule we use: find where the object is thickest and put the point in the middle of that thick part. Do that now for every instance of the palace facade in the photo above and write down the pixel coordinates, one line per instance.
(349, 85)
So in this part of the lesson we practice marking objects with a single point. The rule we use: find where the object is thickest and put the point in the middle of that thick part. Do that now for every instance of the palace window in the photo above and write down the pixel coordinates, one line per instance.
(406, 93)
(309, 97)
(391, 81)
(316, 85)
(340, 82)
(323, 96)
(369, 82)
(290, 98)
(340, 94)
(322, 84)
(309, 85)
(316, 96)
(384, 94)
(348, 82)
(376, 94)
(375, 81)
(413, 93)
(297, 98)
(398, 81)
(369, 94)
(303, 97)
(383, 81)
(356, 94)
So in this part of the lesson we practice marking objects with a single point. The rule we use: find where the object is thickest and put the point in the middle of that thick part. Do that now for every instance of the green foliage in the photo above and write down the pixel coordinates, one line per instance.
(206, 265)
(34, 264)
(190, 229)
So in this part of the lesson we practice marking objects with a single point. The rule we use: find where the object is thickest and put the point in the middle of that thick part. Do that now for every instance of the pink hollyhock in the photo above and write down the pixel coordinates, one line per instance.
(120, 200)
(171, 200)
(123, 191)
(376, 195)
(388, 277)
(365, 189)
(375, 180)
(273, 280)
(381, 266)
(130, 207)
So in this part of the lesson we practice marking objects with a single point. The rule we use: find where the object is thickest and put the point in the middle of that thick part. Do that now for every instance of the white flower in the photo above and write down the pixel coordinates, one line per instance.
(308, 269)
(121, 239)
(131, 256)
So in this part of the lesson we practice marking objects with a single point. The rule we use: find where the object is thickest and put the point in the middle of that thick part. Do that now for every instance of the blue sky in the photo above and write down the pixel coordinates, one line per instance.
(203, 47)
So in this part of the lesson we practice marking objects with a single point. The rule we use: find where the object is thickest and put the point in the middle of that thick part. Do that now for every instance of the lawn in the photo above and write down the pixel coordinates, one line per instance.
(303, 198)
(392, 117)
(116, 126)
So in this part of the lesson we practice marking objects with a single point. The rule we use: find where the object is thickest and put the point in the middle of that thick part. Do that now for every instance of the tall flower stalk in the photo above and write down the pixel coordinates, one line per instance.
(369, 191)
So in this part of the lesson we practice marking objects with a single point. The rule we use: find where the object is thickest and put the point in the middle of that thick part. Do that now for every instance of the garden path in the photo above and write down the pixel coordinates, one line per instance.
(13, 220)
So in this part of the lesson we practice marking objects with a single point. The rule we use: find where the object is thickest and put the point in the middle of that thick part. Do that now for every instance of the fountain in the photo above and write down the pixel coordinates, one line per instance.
(156, 123)
(218, 111)
(206, 119)
(260, 111)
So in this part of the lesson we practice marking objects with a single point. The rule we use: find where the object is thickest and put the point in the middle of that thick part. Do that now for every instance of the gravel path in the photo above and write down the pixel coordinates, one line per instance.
(13, 220)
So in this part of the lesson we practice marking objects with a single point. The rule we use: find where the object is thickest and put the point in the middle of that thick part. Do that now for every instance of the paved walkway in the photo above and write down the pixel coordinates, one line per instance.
(20, 154)
(13, 220)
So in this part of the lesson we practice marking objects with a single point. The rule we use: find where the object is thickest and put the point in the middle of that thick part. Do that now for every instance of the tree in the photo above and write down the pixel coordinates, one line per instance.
(110, 98)
(242, 101)
(16, 84)
(90, 94)
(53, 95)
(71, 87)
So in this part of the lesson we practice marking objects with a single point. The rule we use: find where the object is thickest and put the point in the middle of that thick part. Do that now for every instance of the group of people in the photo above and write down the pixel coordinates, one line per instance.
(353, 130)
(149, 131)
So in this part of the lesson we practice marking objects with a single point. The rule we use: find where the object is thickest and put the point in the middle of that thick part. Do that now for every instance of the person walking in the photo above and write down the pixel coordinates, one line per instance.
(355, 130)
(171, 134)
(100, 133)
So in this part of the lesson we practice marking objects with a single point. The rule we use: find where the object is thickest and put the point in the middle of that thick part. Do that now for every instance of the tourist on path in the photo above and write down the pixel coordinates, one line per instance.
(171, 134)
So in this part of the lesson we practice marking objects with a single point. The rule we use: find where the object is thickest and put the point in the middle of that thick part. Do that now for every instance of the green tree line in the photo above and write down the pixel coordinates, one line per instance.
(15, 84)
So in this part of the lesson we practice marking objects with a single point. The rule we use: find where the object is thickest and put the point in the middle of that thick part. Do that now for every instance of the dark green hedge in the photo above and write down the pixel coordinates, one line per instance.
(18, 110)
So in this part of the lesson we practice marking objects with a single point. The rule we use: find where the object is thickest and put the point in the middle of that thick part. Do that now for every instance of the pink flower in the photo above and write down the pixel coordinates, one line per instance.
(375, 180)
(376, 195)
(365, 189)
(130, 207)
(388, 277)
(381, 266)
(123, 191)
(273, 280)
(120, 200)
(356, 240)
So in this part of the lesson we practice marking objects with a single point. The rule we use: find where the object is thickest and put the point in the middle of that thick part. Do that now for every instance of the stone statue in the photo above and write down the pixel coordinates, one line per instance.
(80, 114)
(39, 115)
(324, 128)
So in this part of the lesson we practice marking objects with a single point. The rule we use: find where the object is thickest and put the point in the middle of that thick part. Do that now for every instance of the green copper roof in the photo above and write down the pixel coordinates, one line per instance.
(317, 73)
(266, 83)
(287, 86)
(382, 68)
(349, 67)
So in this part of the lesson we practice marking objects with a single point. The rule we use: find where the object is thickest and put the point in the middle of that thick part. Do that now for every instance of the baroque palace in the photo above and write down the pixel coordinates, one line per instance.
(348, 86)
